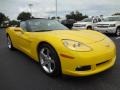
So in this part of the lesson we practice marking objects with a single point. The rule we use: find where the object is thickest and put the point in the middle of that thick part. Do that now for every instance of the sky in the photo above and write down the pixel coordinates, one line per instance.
(46, 8)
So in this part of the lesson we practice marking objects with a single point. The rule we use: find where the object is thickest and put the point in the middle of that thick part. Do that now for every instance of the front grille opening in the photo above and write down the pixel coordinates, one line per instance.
(102, 26)
(102, 63)
(83, 68)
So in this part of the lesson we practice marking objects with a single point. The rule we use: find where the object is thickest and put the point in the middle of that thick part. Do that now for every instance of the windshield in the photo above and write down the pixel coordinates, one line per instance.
(87, 20)
(112, 19)
(45, 25)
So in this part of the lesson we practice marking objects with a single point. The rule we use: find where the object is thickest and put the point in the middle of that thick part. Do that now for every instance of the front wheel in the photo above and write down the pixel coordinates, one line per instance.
(118, 31)
(89, 28)
(49, 60)
(9, 43)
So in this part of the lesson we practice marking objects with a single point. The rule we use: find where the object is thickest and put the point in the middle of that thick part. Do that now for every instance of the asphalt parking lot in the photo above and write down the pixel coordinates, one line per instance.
(19, 72)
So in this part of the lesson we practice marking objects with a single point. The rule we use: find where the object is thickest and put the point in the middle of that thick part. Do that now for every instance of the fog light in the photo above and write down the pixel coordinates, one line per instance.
(83, 68)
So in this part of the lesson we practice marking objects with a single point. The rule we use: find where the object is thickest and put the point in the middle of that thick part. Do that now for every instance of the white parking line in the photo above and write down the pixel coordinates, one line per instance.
(117, 37)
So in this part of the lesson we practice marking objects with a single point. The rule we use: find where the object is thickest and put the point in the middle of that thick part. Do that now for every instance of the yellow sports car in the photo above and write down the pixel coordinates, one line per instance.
(60, 50)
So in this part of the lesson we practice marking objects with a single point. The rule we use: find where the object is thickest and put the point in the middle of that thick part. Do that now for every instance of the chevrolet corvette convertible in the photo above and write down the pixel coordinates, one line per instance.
(60, 50)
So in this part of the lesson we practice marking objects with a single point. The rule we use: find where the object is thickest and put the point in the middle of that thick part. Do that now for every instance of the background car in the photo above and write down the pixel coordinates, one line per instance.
(87, 23)
(110, 24)
(4, 24)
(60, 50)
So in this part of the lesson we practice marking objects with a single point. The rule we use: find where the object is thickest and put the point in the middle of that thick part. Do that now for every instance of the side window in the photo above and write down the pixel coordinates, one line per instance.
(94, 20)
(23, 26)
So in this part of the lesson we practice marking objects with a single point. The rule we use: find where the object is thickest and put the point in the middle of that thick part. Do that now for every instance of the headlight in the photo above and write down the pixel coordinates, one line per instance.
(75, 45)
(112, 25)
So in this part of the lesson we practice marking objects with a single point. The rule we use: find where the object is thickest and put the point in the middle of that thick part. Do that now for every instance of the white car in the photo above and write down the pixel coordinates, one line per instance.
(110, 24)
(87, 23)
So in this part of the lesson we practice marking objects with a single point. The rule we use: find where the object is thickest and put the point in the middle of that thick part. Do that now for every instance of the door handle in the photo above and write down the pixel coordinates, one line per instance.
(17, 30)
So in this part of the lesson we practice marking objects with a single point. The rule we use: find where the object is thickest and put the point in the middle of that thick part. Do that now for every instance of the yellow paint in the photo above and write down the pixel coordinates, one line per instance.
(102, 48)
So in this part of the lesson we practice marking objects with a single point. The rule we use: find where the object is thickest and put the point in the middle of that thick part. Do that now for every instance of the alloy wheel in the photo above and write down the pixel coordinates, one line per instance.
(9, 43)
(46, 60)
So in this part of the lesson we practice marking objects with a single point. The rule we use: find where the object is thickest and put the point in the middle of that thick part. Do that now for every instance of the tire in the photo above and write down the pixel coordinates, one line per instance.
(118, 31)
(9, 43)
(49, 60)
(89, 28)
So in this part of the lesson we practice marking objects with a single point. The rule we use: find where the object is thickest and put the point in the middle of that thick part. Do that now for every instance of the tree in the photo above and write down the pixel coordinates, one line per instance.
(14, 23)
(76, 16)
(24, 16)
(2, 18)
(52, 18)
(116, 14)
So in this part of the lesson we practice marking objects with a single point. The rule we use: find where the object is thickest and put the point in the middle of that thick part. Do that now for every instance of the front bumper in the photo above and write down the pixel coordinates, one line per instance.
(94, 69)
(106, 30)
(99, 60)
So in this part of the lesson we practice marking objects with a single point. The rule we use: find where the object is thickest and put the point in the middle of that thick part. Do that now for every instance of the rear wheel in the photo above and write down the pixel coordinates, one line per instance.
(118, 31)
(49, 60)
(9, 43)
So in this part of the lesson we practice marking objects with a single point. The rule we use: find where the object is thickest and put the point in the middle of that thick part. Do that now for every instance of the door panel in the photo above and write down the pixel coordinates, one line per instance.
(23, 41)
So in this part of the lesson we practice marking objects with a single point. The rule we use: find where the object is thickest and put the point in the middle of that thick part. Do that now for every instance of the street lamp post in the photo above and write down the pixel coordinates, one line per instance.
(56, 9)
(30, 7)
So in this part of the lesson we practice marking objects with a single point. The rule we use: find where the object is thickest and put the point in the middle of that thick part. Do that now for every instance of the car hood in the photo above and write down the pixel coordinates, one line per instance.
(84, 36)
(112, 22)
